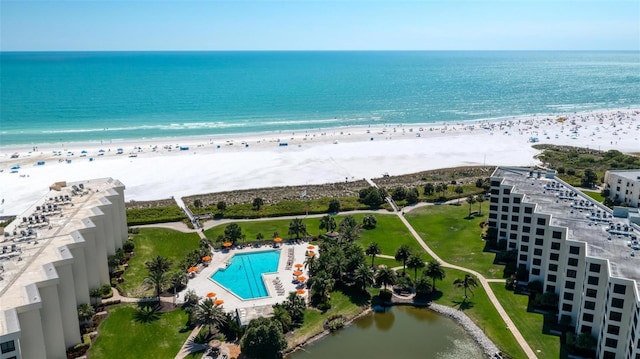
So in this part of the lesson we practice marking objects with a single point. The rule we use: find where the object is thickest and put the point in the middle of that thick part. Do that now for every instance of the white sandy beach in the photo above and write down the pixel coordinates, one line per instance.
(214, 164)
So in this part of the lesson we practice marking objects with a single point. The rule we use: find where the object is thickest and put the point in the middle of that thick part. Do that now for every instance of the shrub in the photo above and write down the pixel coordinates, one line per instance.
(128, 246)
(335, 324)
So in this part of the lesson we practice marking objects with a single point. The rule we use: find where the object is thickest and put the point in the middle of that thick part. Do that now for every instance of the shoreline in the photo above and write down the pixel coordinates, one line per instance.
(153, 169)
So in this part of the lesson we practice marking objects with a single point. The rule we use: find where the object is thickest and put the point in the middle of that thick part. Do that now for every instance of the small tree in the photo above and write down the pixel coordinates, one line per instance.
(233, 232)
(412, 196)
(334, 205)
(434, 271)
(297, 227)
(471, 200)
(263, 339)
(480, 199)
(85, 312)
(369, 221)
(429, 189)
(386, 276)
(415, 262)
(328, 223)
(197, 203)
(258, 203)
(221, 206)
(373, 250)
(402, 255)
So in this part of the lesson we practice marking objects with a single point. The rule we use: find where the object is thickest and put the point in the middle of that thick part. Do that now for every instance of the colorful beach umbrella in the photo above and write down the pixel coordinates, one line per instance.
(297, 273)
(302, 278)
(298, 265)
(301, 291)
(311, 247)
(192, 269)
(211, 294)
(227, 244)
(206, 258)
(277, 239)
(218, 302)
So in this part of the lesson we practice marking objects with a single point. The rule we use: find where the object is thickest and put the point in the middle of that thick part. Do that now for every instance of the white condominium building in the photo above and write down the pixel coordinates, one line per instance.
(50, 258)
(577, 249)
(624, 186)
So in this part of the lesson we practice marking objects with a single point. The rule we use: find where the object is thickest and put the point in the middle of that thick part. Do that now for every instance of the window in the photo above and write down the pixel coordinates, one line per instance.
(556, 234)
(551, 277)
(523, 257)
(589, 305)
(512, 245)
(539, 241)
(537, 252)
(495, 191)
(609, 355)
(514, 227)
(540, 231)
(615, 316)
(592, 293)
(515, 218)
(527, 219)
(570, 284)
(551, 288)
(505, 208)
(503, 225)
(505, 200)
(503, 234)
(516, 200)
(528, 210)
(7, 347)
(553, 267)
(568, 296)
(571, 273)
(525, 239)
(513, 236)
(542, 222)
(611, 343)
(617, 302)
(555, 245)
(567, 307)
(506, 191)
(585, 329)
(554, 256)
(526, 229)
(535, 271)
(524, 248)
(504, 217)
(572, 262)
(593, 280)
(495, 183)
(587, 317)
(515, 209)
(536, 261)
(574, 250)
(613, 329)
(494, 200)
(619, 289)
(493, 208)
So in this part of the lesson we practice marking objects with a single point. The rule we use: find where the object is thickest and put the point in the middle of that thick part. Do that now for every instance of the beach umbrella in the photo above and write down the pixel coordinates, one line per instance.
(298, 265)
(206, 258)
(301, 291)
(311, 253)
(277, 239)
(192, 269)
(227, 244)
(297, 273)
(83, 151)
(211, 294)
(101, 150)
(218, 302)
(311, 247)
(302, 278)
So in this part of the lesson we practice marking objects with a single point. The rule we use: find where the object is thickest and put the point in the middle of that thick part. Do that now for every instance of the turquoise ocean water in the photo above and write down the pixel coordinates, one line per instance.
(74, 96)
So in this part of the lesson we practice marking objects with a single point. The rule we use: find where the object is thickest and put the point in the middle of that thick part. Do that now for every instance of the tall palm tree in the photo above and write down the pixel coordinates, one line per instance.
(311, 263)
(328, 223)
(158, 264)
(480, 199)
(322, 285)
(364, 276)
(434, 271)
(467, 283)
(415, 262)
(178, 279)
(157, 280)
(385, 276)
(373, 250)
(337, 265)
(209, 314)
(281, 315)
(422, 286)
(471, 200)
(297, 227)
(402, 254)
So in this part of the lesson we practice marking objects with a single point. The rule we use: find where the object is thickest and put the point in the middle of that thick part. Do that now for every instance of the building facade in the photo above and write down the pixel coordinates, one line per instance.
(577, 249)
(624, 186)
(52, 256)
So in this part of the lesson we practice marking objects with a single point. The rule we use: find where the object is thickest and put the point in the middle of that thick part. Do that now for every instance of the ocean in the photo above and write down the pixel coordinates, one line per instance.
(62, 97)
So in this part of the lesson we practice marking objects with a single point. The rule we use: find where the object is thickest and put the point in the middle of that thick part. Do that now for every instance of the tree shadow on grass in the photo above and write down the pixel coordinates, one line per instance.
(147, 312)
(356, 296)
(463, 305)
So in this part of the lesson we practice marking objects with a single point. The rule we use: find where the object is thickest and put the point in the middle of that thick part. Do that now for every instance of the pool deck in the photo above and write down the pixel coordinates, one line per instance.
(259, 307)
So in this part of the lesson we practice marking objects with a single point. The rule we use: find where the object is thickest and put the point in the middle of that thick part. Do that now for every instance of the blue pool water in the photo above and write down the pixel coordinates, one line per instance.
(244, 275)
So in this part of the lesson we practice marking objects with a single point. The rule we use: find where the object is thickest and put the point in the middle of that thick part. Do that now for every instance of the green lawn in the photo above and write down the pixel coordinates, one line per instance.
(126, 333)
(456, 239)
(595, 195)
(152, 242)
(530, 325)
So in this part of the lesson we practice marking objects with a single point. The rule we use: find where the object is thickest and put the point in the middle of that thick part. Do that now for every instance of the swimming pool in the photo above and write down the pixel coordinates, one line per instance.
(243, 276)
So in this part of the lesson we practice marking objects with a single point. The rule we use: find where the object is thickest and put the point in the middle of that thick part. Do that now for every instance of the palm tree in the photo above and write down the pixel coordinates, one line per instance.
(422, 286)
(373, 250)
(178, 279)
(85, 312)
(209, 314)
(158, 264)
(471, 200)
(322, 285)
(311, 263)
(402, 254)
(480, 199)
(297, 227)
(364, 276)
(467, 283)
(233, 232)
(415, 262)
(328, 223)
(385, 276)
(337, 265)
(157, 280)
(281, 315)
(434, 271)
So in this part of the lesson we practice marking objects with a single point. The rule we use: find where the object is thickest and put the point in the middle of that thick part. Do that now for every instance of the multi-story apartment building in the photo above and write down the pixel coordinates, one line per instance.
(624, 186)
(51, 257)
(577, 249)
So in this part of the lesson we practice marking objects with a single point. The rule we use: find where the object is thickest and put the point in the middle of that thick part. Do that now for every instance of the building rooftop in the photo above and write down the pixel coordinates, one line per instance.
(607, 237)
(628, 174)
(38, 237)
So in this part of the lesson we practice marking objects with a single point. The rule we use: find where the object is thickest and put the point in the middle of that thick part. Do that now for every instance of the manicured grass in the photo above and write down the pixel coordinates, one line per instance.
(595, 195)
(455, 238)
(152, 242)
(530, 325)
(136, 216)
(125, 333)
(480, 310)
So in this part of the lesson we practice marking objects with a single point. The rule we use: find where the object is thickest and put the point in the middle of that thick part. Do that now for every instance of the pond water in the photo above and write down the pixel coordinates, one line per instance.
(400, 332)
